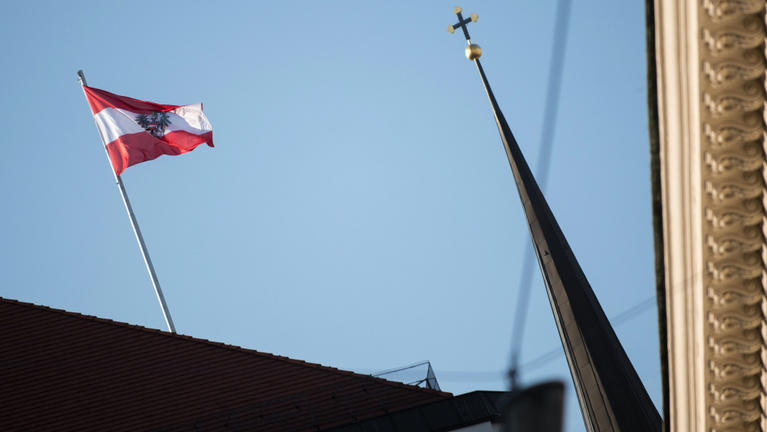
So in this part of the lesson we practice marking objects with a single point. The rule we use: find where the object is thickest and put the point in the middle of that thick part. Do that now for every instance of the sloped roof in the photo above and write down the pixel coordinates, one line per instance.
(65, 371)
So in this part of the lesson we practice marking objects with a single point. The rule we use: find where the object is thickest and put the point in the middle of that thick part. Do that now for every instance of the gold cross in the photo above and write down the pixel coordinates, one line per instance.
(473, 51)
(462, 22)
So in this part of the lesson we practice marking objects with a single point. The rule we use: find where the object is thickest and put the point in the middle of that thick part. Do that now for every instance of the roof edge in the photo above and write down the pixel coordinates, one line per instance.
(218, 345)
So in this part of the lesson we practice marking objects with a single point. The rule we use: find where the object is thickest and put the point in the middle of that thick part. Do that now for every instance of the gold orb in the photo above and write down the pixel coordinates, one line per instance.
(473, 52)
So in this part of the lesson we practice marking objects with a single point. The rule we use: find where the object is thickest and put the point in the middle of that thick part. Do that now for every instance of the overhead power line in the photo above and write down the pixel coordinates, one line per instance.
(556, 66)
(545, 358)
(532, 364)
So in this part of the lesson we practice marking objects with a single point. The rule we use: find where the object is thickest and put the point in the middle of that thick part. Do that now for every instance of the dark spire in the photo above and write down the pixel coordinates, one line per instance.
(610, 393)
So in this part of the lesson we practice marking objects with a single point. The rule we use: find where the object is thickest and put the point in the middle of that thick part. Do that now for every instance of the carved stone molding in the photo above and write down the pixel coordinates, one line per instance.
(711, 102)
(732, 91)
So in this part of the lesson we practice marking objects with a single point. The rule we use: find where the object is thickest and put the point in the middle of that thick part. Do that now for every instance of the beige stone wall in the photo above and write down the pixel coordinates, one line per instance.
(711, 87)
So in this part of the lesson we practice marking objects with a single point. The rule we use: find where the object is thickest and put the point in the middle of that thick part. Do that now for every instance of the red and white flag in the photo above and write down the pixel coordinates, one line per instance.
(136, 131)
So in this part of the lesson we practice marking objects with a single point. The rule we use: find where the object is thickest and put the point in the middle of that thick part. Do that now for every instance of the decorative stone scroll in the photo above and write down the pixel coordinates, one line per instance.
(732, 84)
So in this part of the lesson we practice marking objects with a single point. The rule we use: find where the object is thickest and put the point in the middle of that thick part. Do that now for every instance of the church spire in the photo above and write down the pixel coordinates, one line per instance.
(610, 393)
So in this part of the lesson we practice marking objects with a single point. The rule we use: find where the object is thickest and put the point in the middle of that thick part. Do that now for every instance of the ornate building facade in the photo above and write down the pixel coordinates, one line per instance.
(710, 57)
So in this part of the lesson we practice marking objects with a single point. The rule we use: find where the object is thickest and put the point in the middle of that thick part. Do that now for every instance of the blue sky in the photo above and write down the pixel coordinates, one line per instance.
(358, 210)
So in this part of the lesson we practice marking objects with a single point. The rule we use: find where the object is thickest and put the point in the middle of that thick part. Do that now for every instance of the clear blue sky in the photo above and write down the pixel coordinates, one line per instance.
(358, 210)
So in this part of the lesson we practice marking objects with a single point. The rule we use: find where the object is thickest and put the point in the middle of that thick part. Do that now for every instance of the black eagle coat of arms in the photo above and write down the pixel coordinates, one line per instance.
(154, 123)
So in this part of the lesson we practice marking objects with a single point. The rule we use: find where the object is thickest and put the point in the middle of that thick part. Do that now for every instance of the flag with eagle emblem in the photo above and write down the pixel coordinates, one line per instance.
(136, 131)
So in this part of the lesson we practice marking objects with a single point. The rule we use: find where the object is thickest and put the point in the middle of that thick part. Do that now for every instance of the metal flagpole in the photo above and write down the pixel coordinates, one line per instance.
(136, 229)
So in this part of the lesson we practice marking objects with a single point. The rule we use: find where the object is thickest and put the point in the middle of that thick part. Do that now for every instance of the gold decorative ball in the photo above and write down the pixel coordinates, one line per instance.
(473, 52)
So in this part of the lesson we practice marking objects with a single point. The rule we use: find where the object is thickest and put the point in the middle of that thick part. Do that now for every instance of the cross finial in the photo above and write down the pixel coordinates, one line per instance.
(473, 51)
(462, 22)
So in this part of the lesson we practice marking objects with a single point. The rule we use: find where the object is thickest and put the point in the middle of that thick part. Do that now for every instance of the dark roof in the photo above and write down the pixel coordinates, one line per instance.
(65, 371)
(449, 414)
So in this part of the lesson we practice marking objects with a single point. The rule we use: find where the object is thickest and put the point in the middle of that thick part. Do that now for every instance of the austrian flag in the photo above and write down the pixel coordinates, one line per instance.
(136, 131)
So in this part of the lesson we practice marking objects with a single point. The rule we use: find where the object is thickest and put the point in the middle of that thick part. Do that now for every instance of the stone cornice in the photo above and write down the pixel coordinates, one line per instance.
(711, 69)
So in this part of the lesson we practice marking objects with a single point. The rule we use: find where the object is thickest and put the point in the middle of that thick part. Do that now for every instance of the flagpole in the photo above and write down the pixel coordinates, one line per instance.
(136, 229)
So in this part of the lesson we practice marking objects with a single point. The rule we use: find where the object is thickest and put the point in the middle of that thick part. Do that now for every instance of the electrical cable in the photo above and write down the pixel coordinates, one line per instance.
(620, 318)
(544, 358)
(556, 67)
